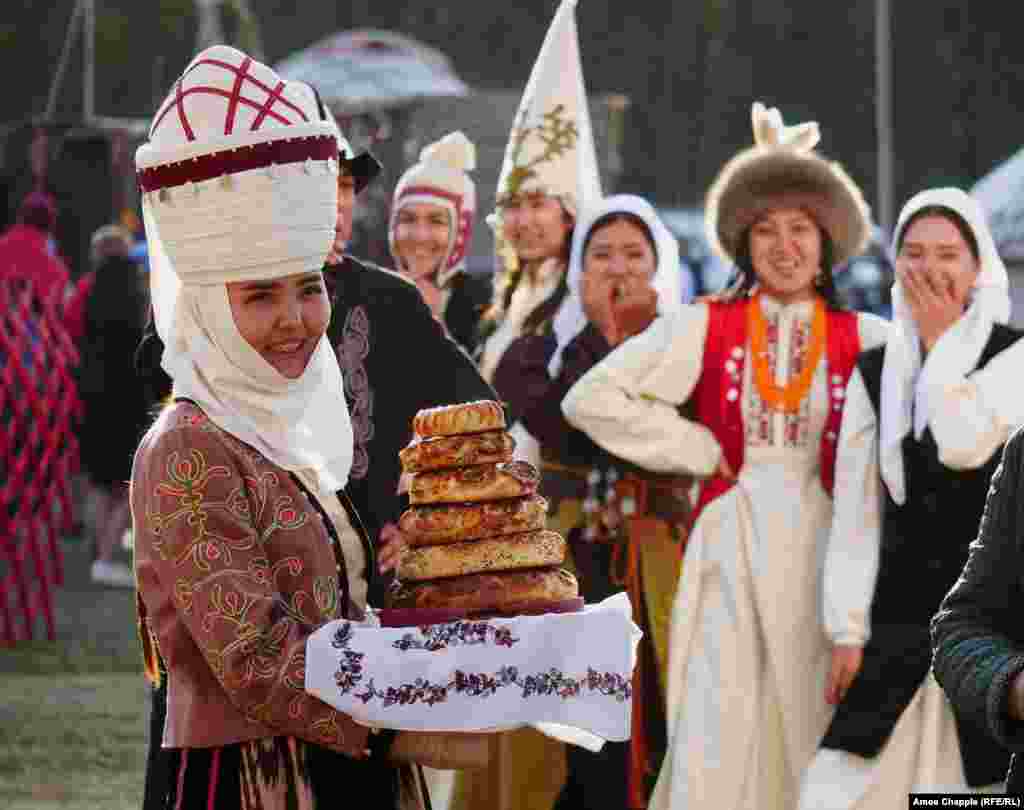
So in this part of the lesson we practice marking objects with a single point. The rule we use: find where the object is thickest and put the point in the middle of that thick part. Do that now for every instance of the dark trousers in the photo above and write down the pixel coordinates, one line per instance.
(158, 760)
(595, 781)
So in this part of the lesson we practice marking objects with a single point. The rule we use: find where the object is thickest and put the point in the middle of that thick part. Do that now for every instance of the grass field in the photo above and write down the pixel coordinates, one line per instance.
(72, 741)
(74, 712)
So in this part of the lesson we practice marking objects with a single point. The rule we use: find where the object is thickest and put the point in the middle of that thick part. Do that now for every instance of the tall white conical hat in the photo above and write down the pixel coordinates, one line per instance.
(551, 146)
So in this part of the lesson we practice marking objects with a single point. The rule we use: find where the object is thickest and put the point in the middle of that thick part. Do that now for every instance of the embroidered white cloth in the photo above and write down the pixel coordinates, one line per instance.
(569, 669)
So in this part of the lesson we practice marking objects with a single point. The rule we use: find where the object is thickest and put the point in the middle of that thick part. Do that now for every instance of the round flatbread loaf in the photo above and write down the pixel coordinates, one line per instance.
(435, 525)
(508, 553)
(453, 420)
(483, 482)
(445, 452)
(493, 591)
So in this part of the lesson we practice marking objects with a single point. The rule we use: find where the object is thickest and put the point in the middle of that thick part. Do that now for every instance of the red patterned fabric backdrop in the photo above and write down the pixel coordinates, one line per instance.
(39, 408)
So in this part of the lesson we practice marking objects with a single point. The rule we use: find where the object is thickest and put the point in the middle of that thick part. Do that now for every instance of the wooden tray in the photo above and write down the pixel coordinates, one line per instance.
(416, 617)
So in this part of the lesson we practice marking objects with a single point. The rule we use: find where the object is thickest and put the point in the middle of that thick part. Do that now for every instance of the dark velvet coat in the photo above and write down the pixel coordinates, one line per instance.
(596, 781)
(396, 360)
(470, 296)
(977, 634)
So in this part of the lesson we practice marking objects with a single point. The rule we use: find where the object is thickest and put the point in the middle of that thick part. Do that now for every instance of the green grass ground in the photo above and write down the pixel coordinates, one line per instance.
(72, 741)
(74, 712)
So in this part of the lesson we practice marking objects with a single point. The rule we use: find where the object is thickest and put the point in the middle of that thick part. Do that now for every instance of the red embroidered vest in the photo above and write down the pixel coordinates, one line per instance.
(718, 394)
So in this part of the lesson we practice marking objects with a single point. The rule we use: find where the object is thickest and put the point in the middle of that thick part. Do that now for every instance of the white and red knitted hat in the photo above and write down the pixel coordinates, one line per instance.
(441, 178)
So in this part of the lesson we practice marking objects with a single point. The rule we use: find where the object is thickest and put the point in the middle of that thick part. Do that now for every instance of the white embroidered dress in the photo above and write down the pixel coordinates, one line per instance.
(747, 651)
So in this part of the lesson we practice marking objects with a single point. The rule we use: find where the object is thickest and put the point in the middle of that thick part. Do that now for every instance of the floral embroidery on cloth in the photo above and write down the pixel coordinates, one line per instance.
(452, 634)
(352, 351)
(571, 669)
(349, 677)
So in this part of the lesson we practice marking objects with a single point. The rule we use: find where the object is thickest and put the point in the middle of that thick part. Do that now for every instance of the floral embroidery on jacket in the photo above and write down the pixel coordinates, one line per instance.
(352, 352)
(247, 567)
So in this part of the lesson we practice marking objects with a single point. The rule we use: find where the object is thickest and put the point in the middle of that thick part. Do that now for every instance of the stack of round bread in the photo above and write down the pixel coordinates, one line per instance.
(476, 526)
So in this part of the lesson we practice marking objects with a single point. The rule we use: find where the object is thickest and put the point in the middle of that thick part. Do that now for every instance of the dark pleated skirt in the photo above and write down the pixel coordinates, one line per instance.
(279, 773)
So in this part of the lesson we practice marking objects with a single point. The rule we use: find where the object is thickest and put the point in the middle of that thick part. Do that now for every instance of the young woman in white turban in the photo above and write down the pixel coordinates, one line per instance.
(245, 542)
(926, 418)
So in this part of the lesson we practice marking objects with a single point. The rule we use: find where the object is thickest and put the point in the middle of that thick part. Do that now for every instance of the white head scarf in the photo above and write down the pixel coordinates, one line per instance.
(571, 319)
(259, 223)
(904, 403)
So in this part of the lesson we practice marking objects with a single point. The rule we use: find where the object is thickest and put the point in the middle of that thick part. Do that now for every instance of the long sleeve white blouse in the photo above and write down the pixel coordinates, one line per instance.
(970, 416)
(628, 404)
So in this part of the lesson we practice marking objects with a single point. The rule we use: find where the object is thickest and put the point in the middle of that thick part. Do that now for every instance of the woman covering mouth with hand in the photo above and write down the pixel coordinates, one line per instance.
(926, 419)
(624, 271)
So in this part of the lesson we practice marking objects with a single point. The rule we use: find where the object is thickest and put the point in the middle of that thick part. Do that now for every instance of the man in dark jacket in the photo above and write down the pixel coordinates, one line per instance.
(977, 635)
(395, 359)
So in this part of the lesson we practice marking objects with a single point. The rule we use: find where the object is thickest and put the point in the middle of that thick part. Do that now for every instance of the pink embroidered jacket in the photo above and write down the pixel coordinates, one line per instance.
(236, 569)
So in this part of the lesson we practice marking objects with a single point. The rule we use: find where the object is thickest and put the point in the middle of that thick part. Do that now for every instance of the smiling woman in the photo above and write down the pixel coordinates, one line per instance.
(246, 540)
(282, 319)
(785, 249)
(928, 415)
(937, 266)
(431, 226)
(762, 373)
(421, 238)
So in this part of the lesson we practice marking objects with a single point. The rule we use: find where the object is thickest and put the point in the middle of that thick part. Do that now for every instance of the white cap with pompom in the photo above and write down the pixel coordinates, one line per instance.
(441, 178)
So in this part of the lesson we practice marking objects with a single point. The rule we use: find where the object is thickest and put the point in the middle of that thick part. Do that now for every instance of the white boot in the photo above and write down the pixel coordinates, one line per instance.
(114, 574)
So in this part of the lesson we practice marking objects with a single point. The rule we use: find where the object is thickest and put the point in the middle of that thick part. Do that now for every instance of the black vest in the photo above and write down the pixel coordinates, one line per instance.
(924, 548)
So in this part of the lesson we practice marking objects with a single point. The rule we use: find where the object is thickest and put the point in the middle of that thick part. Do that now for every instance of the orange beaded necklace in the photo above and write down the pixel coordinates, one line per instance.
(784, 398)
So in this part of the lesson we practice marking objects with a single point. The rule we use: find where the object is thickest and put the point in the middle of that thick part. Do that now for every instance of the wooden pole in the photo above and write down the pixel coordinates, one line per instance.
(62, 64)
(89, 73)
(883, 113)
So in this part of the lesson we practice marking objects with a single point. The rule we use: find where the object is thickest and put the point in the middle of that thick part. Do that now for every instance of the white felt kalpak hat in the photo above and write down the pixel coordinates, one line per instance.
(551, 146)
(239, 172)
(782, 169)
(441, 178)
